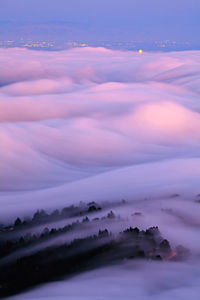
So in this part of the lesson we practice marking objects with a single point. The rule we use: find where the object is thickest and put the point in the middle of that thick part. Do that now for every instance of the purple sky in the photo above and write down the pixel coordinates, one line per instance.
(147, 19)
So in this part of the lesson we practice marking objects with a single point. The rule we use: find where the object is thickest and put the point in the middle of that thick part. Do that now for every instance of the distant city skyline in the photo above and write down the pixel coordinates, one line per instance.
(90, 21)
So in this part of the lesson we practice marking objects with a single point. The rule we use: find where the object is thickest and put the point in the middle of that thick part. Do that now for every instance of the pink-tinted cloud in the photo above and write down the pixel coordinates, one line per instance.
(93, 109)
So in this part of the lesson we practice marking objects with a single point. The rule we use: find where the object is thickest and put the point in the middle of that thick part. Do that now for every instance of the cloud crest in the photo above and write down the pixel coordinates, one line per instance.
(79, 112)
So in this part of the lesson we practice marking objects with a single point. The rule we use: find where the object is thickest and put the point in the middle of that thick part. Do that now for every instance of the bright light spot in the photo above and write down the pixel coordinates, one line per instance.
(140, 51)
(173, 254)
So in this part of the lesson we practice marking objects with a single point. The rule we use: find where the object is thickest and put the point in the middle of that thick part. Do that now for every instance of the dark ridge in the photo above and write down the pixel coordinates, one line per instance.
(42, 217)
(102, 249)
(21, 241)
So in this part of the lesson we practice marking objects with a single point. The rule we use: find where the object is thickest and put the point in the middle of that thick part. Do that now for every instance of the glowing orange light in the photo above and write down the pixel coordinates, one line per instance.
(173, 254)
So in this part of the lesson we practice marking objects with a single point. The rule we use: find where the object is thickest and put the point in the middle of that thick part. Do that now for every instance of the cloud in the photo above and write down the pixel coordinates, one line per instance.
(95, 124)
(68, 115)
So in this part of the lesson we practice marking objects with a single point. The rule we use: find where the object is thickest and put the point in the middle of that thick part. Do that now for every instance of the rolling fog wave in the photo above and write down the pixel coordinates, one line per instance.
(101, 125)
(73, 114)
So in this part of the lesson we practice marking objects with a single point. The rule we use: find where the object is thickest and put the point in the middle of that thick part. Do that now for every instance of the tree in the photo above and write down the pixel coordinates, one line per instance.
(92, 208)
(45, 231)
(111, 215)
(40, 215)
(18, 222)
(55, 213)
(103, 233)
(85, 220)
(165, 246)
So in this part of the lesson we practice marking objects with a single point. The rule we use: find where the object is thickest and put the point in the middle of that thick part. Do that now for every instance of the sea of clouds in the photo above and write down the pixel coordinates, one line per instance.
(95, 124)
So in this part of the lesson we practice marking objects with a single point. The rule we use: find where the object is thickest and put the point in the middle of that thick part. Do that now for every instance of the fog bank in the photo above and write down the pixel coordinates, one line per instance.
(100, 125)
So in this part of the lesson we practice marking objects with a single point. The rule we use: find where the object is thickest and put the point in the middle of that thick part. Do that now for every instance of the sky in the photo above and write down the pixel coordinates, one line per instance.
(146, 19)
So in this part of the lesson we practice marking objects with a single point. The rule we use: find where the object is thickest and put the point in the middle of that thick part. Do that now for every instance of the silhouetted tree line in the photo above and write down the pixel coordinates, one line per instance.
(87, 253)
(42, 217)
(11, 245)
